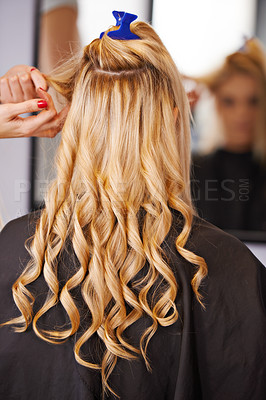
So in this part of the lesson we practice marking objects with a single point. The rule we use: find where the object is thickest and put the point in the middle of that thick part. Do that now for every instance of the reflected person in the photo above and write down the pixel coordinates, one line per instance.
(229, 177)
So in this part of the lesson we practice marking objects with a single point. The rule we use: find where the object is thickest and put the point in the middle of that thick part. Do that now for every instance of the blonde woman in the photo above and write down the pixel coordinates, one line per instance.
(111, 297)
(230, 174)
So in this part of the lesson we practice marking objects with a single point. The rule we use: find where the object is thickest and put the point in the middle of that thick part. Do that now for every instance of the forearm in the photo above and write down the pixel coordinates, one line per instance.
(58, 37)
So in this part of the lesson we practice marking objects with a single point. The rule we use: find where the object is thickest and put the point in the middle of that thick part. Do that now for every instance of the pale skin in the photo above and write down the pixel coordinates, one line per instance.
(59, 40)
(58, 37)
(237, 102)
(23, 90)
(20, 84)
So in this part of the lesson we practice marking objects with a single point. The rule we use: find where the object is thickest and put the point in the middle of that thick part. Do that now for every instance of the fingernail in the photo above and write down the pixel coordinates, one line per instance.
(3, 81)
(42, 104)
(32, 69)
(42, 89)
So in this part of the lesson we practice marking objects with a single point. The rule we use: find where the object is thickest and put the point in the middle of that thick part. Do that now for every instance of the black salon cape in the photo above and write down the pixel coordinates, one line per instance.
(216, 354)
(229, 190)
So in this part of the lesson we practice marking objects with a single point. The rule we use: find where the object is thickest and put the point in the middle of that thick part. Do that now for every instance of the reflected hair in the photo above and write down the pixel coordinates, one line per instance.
(251, 61)
(122, 164)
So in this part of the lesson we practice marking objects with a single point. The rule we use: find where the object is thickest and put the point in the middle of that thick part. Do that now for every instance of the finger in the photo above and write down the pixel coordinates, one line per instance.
(54, 126)
(16, 90)
(50, 127)
(27, 86)
(6, 96)
(17, 70)
(47, 97)
(30, 126)
(47, 132)
(28, 106)
(38, 79)
(193, 97)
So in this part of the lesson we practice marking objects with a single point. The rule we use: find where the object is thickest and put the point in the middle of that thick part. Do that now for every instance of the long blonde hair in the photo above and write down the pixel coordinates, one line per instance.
(122, 155)
(249, 60)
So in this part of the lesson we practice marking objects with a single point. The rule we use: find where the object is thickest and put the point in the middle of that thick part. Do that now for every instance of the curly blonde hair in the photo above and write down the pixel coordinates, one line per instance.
(122, 153)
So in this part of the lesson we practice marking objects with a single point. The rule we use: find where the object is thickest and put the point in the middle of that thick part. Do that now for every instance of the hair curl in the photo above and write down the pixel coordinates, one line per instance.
(122, 153)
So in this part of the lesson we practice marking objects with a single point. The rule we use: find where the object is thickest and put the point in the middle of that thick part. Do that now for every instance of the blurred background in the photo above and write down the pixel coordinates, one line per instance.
(199, 34)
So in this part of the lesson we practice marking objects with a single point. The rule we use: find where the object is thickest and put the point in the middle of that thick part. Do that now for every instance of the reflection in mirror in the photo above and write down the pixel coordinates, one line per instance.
(229, 181)
(227, 77)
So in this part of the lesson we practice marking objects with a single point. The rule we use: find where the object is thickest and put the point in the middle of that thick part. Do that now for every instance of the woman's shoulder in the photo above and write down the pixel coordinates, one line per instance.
(205, 234)
(222, 249)
(24, 225)
(13, 238)
(231, 328)
(231, 265)
(225, 255)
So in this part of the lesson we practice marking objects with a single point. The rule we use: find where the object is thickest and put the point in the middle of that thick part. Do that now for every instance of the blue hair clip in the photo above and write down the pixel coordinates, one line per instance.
(118, 16)
(123, 20)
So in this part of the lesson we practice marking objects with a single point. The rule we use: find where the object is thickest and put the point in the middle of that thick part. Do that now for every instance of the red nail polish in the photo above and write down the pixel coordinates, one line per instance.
(42, 89)
(42, 104)
(32, 69)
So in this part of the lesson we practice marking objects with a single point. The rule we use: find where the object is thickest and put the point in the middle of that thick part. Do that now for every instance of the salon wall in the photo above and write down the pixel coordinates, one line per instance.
(95, 17)
(261, 25)
(199, 34)
(17, 19)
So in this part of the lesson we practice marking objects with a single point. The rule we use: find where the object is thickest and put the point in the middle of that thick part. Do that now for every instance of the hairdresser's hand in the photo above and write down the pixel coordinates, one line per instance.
(193, 90)
(20, 83)
(193, 98)
(46, 124)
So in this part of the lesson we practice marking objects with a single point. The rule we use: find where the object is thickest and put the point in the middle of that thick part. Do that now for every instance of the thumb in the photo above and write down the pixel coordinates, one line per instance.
(28, 106)
(38, 79)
